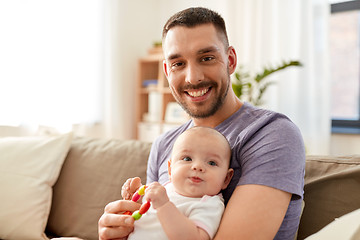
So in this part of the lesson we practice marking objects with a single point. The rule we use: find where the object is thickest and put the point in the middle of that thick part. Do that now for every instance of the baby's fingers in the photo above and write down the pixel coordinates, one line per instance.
(135, 184)
(125, 190)
(130, 187)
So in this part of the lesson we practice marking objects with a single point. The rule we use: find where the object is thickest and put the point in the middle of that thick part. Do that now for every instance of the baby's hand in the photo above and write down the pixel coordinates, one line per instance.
(130, 187)
(156, 193)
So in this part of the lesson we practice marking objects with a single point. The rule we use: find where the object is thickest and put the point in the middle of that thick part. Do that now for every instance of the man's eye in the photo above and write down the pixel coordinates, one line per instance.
(206, 59)
(177, 64)
(187, 159)
(212, 163)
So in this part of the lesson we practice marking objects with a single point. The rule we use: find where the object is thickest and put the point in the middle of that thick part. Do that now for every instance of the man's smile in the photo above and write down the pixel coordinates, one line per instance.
(197, 92)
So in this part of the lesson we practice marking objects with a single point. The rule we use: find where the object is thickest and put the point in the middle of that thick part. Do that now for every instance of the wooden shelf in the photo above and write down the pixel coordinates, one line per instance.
(156, 89)
(152, 97)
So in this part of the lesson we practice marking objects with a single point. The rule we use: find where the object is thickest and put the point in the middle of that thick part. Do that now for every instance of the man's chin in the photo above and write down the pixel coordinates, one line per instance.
(197, 112)
(198, 109)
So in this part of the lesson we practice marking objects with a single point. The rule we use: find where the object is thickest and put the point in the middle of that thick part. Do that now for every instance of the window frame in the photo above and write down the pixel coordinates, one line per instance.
(343, 125)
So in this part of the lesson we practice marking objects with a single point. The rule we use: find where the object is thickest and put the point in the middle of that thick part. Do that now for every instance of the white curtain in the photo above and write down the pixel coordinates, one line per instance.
(267, 32)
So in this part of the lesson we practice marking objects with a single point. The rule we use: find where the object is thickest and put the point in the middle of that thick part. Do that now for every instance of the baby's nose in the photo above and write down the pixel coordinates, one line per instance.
(198, 167)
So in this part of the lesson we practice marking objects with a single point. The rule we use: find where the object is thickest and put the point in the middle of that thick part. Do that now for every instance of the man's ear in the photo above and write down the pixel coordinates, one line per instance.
(165, 68)
(232, 60)
(169, 168)
(228, 177)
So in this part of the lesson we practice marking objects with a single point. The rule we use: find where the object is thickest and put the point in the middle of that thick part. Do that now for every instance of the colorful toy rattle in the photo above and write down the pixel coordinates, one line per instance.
(143, 209)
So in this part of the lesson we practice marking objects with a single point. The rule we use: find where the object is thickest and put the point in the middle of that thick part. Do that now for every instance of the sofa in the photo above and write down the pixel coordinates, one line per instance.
(75, 177)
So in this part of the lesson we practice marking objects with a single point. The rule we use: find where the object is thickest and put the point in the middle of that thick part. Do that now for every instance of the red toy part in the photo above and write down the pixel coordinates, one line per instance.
(136, 197)
(144, 208)
(127, 213)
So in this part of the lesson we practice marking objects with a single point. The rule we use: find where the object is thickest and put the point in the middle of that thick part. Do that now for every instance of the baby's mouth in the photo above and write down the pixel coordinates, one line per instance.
(196, 179)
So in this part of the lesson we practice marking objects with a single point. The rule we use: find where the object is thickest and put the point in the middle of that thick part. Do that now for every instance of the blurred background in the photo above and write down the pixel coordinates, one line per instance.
(73, 65)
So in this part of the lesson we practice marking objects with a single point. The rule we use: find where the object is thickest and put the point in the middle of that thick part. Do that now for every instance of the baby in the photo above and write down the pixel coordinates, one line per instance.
(190, 206)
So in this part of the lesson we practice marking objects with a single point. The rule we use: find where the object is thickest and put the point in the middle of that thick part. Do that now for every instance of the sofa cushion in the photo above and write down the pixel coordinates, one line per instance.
(346, 227)
(331, 190)
(29, 167)
(91, 177)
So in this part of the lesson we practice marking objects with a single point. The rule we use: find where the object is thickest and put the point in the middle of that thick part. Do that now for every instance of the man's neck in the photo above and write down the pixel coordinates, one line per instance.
(221, 115)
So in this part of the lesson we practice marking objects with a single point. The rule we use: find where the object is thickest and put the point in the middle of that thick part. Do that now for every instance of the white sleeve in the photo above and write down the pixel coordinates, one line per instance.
(207, 213)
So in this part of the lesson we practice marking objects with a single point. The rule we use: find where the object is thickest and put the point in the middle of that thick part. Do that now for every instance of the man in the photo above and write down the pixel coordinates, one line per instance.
(265, 195)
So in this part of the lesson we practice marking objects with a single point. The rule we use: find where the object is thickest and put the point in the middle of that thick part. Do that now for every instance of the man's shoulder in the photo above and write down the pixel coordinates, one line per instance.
(250, 120)
(262, 115)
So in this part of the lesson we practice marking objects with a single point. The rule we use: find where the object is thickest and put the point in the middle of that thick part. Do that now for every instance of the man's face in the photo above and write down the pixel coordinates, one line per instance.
(196, 66)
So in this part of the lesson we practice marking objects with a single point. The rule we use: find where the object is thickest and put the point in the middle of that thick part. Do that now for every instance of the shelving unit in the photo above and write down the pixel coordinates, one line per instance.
(152, 97)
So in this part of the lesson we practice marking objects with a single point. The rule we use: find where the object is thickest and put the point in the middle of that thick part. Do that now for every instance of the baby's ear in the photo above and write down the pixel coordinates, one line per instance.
(169, 168)
(228, 177)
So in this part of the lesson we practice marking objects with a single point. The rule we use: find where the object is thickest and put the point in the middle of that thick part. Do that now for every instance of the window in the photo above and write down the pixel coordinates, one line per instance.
(50, 62)
(345, 66)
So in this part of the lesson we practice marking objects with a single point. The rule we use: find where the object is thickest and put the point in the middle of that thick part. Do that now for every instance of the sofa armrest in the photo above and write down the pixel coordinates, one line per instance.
(331, 190)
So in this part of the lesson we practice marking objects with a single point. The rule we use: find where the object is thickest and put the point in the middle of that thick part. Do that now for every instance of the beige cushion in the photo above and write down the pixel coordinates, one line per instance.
(91, 177)
(346, 227)
(29, 167)
(331, 190)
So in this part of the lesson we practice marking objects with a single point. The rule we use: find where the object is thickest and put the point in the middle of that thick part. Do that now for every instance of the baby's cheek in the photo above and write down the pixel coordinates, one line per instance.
(218, 186)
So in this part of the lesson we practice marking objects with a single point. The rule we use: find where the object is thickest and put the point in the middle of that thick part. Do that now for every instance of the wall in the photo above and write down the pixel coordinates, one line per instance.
(130, 29)
(341, 144)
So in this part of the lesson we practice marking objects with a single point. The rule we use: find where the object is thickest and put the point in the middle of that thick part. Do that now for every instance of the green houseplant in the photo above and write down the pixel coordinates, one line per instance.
(252, 88)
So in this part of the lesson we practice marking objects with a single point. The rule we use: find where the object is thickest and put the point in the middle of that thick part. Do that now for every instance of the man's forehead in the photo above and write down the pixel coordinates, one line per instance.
(199, 39)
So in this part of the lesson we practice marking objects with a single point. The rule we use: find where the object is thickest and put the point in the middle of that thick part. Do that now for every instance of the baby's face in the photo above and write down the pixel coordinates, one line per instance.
(200, 164)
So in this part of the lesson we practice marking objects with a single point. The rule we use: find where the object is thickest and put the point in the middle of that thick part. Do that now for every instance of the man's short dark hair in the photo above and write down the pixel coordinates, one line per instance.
(193, 17)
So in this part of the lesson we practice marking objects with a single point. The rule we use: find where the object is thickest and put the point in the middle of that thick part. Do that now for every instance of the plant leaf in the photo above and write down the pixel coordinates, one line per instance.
(253, 88)
(259, 77)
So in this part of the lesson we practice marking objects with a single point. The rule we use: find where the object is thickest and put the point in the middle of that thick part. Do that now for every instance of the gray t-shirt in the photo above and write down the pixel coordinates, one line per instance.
(267, 149)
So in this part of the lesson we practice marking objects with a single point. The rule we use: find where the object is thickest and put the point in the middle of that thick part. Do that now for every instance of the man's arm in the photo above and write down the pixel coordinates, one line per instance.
(253, 212)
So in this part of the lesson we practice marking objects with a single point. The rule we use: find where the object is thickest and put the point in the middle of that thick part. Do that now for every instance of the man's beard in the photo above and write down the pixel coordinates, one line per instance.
(215, 106)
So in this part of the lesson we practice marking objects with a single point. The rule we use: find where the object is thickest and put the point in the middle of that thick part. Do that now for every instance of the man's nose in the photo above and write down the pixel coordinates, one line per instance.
(194, 74)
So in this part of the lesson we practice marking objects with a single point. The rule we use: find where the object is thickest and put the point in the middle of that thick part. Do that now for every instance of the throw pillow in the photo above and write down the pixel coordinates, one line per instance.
(92, 176)
(29, 167)
(346, 227)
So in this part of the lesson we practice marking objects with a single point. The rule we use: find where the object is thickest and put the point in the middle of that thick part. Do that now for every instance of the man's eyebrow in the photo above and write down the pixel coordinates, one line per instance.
(208, 49)
(201, 51)
(173, 56)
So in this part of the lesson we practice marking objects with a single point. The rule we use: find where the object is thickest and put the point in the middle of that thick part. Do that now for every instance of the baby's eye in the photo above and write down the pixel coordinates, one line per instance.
(212, 163)
(187, 159)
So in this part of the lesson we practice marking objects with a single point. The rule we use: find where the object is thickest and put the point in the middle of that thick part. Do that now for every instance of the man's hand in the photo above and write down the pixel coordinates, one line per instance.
(112, 224)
